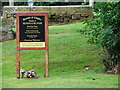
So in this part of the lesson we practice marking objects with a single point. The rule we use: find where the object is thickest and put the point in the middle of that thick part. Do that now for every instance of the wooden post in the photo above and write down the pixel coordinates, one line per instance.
(17, 49)
(46, 52)
(11, 2)
(18, 64)
(91, 2)
(46, 63)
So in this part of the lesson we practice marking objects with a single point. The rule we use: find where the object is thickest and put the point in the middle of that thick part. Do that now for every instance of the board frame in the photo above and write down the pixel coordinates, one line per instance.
(18, 48)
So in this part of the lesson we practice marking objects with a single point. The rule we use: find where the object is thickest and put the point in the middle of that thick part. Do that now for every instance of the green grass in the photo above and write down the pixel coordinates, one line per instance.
(14, 29)
(0, 65)
(69, 52)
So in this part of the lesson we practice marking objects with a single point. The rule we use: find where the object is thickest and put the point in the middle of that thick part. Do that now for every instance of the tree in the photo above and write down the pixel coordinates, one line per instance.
(104, 31)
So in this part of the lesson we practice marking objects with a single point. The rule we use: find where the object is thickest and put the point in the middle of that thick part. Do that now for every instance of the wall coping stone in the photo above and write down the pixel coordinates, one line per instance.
(49, 6)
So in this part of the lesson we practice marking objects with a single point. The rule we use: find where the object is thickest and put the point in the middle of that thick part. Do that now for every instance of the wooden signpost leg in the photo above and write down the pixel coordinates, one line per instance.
(18, 64)
(46, 51)
(46, 64)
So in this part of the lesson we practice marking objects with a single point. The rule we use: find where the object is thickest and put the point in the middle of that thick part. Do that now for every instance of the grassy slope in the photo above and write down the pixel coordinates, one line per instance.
(69, 52)
(0, 65)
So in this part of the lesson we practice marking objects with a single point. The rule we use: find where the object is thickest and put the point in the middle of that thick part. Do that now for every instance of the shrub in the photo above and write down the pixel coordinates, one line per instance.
(104, 31)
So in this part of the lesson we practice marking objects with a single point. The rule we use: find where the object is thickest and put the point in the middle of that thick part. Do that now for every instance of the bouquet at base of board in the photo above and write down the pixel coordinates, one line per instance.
(27, 74)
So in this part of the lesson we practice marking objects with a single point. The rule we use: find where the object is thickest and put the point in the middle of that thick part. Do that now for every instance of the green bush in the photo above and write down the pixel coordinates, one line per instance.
(104, 30)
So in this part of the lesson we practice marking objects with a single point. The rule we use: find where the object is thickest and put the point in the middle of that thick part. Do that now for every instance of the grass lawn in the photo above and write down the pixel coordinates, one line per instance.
(0, 65)
(69, 53)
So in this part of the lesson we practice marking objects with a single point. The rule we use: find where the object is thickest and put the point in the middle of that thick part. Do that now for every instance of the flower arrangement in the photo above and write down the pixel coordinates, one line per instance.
(28, 74)
(22, 73)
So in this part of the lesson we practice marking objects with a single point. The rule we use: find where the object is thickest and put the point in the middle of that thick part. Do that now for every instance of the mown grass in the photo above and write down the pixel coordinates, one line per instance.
(69, 53)
(0, 65)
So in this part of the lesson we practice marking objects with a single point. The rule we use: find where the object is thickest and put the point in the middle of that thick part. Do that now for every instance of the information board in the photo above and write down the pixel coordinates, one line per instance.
(32, 34)
(32, 31)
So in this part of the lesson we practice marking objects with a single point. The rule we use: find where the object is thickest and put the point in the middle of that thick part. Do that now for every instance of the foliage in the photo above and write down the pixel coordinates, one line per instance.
(20, 3)
(104, 30)
(5, 4)
(85, 3)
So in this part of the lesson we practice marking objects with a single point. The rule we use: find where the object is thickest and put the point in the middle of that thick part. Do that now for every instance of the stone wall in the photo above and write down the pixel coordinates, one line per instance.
(6, 35)
(57, 14)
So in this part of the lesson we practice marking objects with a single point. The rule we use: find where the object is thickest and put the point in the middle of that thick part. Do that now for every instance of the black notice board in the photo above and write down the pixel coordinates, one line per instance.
(32, 29)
